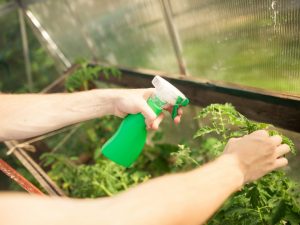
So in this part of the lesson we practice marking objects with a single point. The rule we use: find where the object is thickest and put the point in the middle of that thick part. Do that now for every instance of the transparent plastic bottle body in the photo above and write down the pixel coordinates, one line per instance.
(127, 143)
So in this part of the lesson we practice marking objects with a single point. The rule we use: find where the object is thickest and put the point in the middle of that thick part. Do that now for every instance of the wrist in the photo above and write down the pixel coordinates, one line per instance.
(105, 101)
(232, 164)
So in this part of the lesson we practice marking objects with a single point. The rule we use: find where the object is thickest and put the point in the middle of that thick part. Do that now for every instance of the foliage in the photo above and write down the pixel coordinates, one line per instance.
(226, 123)
(183, 156)
(86, 73)
(104, 178)
(271, 200)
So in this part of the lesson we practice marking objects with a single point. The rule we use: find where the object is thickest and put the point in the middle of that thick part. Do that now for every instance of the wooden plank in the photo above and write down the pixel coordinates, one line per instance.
(282, 110)
(36, 171)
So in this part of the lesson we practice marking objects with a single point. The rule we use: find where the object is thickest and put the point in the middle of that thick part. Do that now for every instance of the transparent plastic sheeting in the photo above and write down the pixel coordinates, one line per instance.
(131, 33)
(12, 63)
(250, 42)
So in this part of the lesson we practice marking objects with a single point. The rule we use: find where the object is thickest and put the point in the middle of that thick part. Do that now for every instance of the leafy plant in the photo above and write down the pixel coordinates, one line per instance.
(227, 122)
(271, 200)
(183, 156)
(104, 178)
(86, 73)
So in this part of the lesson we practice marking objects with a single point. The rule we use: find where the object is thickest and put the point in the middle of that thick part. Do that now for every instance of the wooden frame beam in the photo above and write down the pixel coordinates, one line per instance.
(279, 109)
(282, 110)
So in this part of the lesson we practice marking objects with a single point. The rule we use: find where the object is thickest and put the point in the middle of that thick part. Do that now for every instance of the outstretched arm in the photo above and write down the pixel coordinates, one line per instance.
(188, 198)
(27, 115)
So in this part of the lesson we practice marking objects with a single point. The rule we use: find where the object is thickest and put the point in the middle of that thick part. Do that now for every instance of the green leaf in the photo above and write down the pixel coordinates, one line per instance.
(203, 131)
(278, 213)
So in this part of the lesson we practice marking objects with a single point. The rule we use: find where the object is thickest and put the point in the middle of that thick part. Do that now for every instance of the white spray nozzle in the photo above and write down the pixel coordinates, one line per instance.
(166, 91)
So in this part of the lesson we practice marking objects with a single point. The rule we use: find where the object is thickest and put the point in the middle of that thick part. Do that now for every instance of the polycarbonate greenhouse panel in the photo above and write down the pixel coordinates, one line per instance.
(12, 63)
(131, 33)
(58, 21)
(249, 42)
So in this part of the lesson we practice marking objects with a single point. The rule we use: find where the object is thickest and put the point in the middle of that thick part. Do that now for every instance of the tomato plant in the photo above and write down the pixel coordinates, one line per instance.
(274, 199)
(87, 73)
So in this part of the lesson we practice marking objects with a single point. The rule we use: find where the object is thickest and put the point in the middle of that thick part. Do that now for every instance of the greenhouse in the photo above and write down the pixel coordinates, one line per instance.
(150, 112)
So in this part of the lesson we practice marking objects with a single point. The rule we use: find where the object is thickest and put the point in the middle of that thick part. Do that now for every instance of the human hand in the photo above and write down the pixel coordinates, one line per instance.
(132, 101)
(257, 154)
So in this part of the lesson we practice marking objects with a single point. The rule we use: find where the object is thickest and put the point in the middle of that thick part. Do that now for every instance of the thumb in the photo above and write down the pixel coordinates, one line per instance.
(148, 92)
(148, 113)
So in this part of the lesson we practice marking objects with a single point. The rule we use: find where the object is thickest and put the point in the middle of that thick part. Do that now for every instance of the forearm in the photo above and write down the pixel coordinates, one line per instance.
(23, 209)
(27, 115)
(188, 199)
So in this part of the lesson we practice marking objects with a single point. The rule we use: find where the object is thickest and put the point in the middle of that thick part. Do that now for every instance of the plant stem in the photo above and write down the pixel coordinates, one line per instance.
(106, 190)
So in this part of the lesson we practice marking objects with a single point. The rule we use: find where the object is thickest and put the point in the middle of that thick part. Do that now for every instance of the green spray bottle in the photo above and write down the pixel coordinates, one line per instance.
(126, 144)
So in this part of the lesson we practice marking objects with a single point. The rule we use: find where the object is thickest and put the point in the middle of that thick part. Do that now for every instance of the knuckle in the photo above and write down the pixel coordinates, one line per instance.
(269, 152)
(261, 139)
(266, 144)
(276, 136)
(261, 133)
(270, 144)
(285, 146)
(264, 132)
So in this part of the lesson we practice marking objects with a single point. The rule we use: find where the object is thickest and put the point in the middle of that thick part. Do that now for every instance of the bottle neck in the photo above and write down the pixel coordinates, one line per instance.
(156, 104)
(157, 101)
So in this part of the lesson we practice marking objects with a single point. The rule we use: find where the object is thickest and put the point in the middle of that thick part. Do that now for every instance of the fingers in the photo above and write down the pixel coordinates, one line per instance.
(276, 140)
(261, 133)
(279, 152)
(157, 121)
(281, 162)
(170, 109)
(180, 111)
(148, 113)
(177, 119)
(155, 124)
(282, 150)
(151, 119)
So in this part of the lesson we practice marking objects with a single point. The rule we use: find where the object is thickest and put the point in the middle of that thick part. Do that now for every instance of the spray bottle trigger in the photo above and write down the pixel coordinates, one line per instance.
(179, 102)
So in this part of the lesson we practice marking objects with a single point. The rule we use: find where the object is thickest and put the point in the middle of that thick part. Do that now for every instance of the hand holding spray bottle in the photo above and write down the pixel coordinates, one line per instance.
(126, 144)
